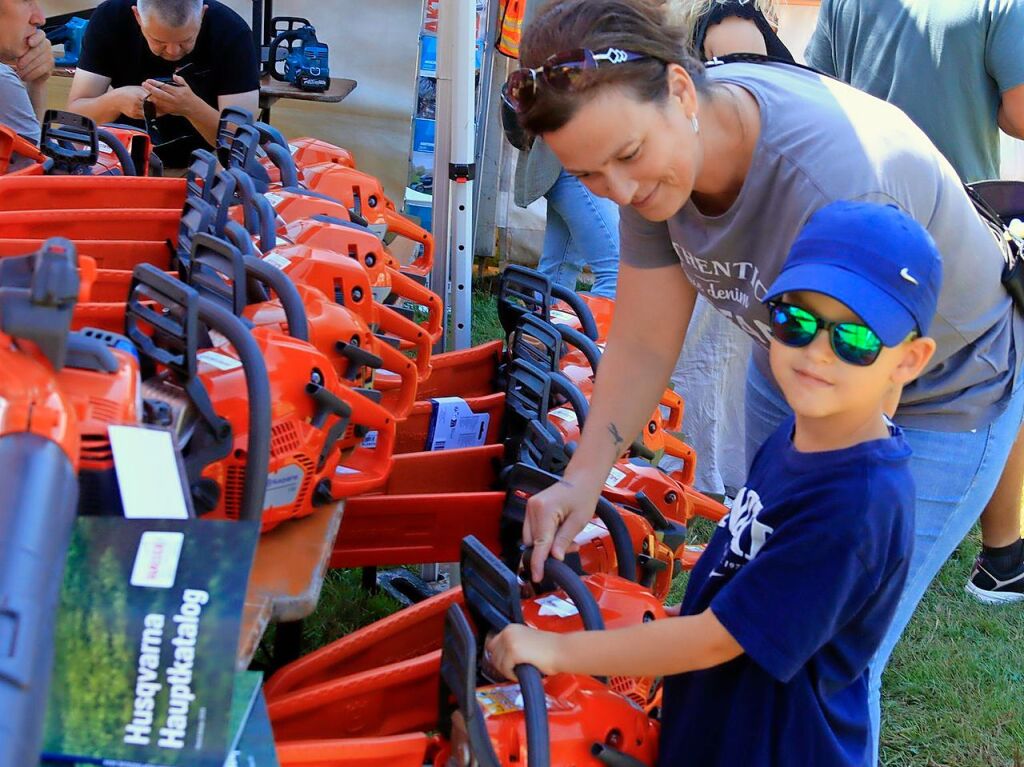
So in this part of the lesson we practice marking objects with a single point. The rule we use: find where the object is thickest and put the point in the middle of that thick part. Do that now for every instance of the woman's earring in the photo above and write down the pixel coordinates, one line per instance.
(694, 123)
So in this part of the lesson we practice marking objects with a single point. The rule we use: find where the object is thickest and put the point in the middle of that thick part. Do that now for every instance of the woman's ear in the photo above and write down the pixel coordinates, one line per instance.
(917, 353)
(681, 89)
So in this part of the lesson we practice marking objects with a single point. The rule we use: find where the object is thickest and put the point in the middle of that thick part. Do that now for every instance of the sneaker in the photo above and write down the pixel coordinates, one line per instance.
(993, 590)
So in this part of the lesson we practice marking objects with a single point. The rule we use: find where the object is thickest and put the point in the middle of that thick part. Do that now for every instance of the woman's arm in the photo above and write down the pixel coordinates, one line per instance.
(652, 311)
(658, 648)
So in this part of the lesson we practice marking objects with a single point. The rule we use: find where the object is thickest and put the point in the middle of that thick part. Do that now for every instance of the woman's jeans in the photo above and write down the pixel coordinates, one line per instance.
(581, 229)
(955, 474)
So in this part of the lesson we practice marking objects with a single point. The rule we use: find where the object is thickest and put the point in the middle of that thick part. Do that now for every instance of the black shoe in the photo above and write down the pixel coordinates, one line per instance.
(992, 589)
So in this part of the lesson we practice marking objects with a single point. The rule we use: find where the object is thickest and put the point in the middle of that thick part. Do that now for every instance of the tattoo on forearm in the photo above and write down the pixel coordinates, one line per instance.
(616, 437)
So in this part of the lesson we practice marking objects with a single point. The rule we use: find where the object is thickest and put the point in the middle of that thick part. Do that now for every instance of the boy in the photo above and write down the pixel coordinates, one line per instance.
(768, 663)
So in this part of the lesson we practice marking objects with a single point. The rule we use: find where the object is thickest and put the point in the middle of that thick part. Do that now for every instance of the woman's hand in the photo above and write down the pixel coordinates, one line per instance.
(554, 517)
(518, 644)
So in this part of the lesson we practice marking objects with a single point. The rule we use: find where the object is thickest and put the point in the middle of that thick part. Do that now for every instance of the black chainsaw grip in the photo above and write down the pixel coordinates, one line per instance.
(257, 386)
(607, 513)
(579, 308)
(563, 576)
(287, 294)
(535, 713)
(119, 150)
(585, 344)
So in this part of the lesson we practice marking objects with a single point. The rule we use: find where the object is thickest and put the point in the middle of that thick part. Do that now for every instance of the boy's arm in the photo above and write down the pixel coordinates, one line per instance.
(658, 648)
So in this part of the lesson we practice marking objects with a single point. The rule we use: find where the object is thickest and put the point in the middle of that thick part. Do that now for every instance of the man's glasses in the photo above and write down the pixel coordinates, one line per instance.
(561, 72)
(852, 342)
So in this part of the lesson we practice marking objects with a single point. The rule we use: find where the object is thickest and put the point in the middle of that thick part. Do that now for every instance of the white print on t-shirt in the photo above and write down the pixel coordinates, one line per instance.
(742, 287)
(748, 534)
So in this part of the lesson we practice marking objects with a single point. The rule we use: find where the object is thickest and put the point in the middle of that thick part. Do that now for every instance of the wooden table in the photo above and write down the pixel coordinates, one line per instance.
(287, 575)
(271, 91)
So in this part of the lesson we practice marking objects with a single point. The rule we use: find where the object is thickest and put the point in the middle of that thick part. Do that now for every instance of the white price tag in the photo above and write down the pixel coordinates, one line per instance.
(147, 473)
(564, 414)
(156, 560)
(615, 476)
(552, 605)
(218, 360)
(277, 261)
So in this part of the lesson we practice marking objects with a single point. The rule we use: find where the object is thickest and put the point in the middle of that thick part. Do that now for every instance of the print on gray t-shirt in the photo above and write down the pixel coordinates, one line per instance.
(823, 141)
(15, 106)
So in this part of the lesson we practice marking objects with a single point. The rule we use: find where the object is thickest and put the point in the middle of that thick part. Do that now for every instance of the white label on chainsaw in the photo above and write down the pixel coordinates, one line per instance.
(454, 425)
(380, 230)
(283, 486)
(218, 360)
(380, 293)
(346, 470)
(615, 476)
(292, 148)
(105, 148)
(370, 440)
(507, 699)
(589, 533)
(277, 261)
(557, 315)
(156, 560)
(552, 605)
(146, 465)
(275, 199)
(564, 414)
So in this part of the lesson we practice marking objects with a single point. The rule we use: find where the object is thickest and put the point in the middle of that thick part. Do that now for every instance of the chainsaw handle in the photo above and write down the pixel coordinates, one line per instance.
(404, 227)
(565, 578)
(536, 340)
(587, 323)
(403, 367)
(69, 140)
(391, 322)
(368, 468)
(286, 292)
(259, 215)
(676, 410)
(561, 384)
(283, 161)
(120, 151)
(257, 386)
(406, 287)
(584, 343)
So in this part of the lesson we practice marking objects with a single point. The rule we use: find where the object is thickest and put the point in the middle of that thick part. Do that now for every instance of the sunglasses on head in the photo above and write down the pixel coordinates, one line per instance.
(852, 342)
(561, 72)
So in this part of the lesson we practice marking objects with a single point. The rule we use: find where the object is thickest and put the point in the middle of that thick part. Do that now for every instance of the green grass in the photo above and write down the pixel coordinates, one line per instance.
(953, 694)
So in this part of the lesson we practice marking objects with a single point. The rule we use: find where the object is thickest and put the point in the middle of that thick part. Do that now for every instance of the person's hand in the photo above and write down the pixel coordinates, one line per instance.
(518, 644)
(129, 100)
(554, 517)
(171, 99)
(37, 63)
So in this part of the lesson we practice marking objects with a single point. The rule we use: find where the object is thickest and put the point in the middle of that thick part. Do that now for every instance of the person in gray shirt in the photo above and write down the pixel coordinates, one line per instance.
(969, 54)
(715, 173)
(26, 59)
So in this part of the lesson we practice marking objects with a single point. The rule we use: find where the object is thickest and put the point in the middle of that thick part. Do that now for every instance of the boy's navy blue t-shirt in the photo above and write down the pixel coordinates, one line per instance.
(805, 573)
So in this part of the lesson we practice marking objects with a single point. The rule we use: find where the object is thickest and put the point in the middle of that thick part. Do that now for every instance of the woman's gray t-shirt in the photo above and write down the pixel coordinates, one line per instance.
(823, 141)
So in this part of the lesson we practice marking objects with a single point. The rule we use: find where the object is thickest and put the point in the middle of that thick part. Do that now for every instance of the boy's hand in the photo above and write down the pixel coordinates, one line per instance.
(554, 517)
(37, 63)
(171, 99)
(518, 644)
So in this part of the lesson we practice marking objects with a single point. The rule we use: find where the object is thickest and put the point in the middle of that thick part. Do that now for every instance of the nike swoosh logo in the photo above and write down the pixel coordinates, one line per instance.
(905, 274)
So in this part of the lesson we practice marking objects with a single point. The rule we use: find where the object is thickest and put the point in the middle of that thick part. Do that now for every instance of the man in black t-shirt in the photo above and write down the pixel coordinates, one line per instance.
(188, 58)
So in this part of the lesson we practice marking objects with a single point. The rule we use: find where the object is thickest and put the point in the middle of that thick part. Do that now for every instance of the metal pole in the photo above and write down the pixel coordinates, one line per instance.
(439, 275)
(462, 169)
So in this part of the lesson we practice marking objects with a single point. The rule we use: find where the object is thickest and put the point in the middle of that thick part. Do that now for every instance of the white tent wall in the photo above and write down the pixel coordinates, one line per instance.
(374, 43)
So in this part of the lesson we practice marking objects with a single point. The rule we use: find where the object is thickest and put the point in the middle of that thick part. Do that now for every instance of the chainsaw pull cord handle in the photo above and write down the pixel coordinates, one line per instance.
(257, 385)
(120, 151)
(286, 292)
(579, 308)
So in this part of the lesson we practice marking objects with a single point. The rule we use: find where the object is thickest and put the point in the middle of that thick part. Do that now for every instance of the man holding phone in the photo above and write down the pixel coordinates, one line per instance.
(177, 62)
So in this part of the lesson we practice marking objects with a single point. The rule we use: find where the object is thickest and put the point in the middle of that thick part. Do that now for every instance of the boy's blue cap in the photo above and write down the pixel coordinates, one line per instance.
(873, 258)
